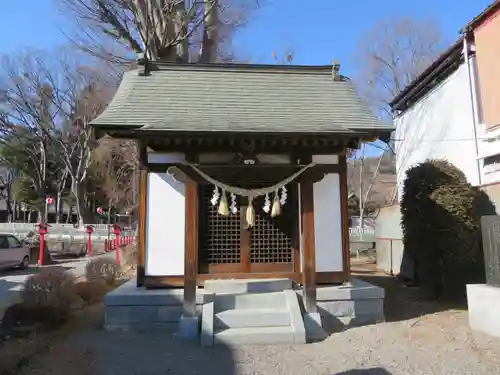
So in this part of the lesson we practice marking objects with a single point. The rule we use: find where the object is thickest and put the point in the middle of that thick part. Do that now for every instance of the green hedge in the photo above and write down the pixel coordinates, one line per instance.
(441, 214)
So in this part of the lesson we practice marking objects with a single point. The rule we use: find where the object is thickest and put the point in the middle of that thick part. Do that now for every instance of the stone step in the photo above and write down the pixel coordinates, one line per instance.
(241, 318)
(247, 286)
(275, 300)
(255, 336)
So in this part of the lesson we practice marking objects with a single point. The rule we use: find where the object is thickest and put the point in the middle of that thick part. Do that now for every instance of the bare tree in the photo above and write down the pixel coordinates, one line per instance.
(388, 57)
(170, 30)
(392, 54)
(28, 117)
(285, 57)
(46, 108)
(117, 169)
(88, 98)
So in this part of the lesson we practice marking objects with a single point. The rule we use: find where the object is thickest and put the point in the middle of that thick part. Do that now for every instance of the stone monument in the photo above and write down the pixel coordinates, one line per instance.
(483, 300)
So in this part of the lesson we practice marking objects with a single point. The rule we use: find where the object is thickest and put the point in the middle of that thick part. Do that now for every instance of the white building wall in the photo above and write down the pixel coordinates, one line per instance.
(165, 221)
(327, 224)
(439, 126)
(165, 226)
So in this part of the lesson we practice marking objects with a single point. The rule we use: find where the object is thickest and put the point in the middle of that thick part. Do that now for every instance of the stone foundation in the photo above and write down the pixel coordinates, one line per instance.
(354, 304)
(483, 303)
(129, 307)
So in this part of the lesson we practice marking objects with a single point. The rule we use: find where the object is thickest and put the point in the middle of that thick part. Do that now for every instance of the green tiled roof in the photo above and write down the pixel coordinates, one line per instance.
(239, 98)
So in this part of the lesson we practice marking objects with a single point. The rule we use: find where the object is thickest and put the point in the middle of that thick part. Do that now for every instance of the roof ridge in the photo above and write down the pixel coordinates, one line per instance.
(239, 67)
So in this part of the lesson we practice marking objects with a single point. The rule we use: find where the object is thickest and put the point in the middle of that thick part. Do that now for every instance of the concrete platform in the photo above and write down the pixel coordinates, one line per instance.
(483, 303)
(131, 308)
(340, 306)
(354, 304)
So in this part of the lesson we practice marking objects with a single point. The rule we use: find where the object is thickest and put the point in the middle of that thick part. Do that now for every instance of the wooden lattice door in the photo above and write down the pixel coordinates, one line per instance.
(227, 246)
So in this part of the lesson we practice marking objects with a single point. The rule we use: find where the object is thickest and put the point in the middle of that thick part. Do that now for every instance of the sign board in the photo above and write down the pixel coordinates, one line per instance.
(490, 230)
(362, 234)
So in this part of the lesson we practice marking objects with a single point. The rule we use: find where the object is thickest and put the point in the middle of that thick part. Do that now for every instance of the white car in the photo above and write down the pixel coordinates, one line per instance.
(12, 252)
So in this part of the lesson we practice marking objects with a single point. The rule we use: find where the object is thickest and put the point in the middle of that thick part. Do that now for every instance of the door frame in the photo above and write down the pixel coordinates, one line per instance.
(245, 266)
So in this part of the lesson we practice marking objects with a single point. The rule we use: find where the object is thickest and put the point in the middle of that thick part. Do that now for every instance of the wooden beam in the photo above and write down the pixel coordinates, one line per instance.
(163, 282)
(142, 214)
(190, 248)
(344, 218)
(308, 250)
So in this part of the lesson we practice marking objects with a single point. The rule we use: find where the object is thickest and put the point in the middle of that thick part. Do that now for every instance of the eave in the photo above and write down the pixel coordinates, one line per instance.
(427, 80)
(479, 20)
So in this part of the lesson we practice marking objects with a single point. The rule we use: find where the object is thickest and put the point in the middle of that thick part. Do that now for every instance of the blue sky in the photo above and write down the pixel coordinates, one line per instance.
(319, 32)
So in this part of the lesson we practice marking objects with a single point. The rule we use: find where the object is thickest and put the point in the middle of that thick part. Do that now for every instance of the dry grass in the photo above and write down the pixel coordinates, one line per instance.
(45, 352)
(102, 269)
(51, 287)
(17, 356)
(91, 292)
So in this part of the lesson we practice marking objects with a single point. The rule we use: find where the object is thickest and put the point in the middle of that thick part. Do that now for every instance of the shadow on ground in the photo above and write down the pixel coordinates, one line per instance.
(368, 371)
(404, 302)
(401, 302)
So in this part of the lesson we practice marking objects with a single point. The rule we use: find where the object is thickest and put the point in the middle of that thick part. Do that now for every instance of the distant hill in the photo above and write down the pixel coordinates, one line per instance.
(385, 180)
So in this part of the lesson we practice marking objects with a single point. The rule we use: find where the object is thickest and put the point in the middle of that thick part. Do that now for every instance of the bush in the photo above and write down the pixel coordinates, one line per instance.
(102, 270)
(51, 287)
(128, 259)
(441, 215)
(91, 292)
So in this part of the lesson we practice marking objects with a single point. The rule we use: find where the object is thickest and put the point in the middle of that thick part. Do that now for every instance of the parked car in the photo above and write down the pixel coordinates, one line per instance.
(13, 253)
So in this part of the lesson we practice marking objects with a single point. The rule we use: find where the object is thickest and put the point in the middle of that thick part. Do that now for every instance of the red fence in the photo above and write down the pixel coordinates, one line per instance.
(110, 245)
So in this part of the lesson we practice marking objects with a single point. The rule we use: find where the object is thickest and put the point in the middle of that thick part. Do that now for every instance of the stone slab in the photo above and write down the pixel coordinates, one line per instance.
(339, 308)
(129, 295)
(255, 336)
(296, 319)
(483, 303)
(132, 308)
(258, 317)
(314, 327)
(142, 314)
(207, 321)
(356, 289)
(242, 286)
(356, 303)
(189, 327)
(170, 328)
(249, 301)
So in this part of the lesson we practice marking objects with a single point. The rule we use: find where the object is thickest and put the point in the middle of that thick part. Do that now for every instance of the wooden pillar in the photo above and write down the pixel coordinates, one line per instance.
(190, 248)
(308, 251)
(344, 219)
(142, 213)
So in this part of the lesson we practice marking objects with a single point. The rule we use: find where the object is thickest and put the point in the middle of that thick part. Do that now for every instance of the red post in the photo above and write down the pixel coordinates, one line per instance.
(42, 245)
(116, 231)
(117, 246)
(90, 230)
(42, 229)
(89, 244)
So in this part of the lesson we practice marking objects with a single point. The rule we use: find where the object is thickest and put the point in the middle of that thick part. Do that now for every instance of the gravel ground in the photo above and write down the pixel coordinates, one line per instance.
(439, 343)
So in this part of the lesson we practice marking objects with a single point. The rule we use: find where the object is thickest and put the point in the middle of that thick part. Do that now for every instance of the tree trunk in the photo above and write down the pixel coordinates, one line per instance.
(79, 199)
(70, 213)
(58, 207)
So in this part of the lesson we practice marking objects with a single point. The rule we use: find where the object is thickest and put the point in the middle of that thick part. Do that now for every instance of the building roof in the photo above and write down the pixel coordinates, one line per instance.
(426, 80)
(443, 65)
(483, 16)
(239, 98)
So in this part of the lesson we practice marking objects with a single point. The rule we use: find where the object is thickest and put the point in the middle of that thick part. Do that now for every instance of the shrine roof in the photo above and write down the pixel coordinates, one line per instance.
(238, 98)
